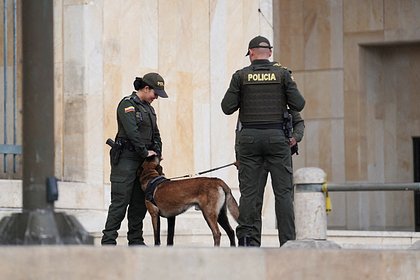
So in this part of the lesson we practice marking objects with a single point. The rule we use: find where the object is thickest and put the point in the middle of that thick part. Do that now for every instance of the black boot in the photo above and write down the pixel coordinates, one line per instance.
(244, 241)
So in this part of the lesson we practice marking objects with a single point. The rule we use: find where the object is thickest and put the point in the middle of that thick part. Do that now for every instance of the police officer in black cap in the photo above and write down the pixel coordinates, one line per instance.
(138, 137)
(262, 92)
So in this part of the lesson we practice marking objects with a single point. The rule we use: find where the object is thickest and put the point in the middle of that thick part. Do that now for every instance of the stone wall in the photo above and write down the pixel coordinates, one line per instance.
(357, 65)
(102, 45)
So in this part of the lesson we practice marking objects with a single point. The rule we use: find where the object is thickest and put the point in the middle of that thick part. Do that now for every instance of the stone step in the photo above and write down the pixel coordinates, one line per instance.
(345, 239)
(97, 262)
(192, 230)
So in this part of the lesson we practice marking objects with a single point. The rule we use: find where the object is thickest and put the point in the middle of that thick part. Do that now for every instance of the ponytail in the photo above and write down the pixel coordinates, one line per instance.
(139, 83)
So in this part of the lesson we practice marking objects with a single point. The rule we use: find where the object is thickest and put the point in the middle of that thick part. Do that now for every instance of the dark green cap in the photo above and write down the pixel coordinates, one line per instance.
(259, 42)
(155, 81)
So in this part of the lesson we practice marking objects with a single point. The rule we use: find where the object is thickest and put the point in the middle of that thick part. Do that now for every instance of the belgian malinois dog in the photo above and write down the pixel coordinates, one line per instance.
(171, 198)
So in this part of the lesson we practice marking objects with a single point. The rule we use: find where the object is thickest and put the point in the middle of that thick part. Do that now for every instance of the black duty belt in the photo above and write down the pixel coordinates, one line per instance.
(263, 126)
(125, 143)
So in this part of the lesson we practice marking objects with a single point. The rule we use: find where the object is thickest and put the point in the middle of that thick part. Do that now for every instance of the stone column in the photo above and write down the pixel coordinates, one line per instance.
(310, 212)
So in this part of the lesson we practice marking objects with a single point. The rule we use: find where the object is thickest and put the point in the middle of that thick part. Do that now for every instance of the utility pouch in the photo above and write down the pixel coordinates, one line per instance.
(287, 124)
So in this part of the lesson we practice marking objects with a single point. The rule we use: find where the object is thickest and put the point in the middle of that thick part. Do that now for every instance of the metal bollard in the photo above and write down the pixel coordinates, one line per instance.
(309, 204)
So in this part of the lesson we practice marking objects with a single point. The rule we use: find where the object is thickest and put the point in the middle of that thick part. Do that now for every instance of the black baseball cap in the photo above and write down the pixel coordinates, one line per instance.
(259, 42)
(155, 81)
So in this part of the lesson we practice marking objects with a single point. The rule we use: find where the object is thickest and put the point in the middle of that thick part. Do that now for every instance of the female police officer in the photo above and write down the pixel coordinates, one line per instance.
(138, 137)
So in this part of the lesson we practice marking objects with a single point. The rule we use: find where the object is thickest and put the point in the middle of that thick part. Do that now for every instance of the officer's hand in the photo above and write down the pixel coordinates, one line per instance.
(151, 153)
(292, 142)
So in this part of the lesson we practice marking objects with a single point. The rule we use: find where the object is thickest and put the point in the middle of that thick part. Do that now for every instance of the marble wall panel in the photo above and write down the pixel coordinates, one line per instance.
(201, 85)
(243, 21)
(363, 16)
(58, 87)
(309, 34)
(378, 211)
(318, 31)
(289, 37)
(372, 84)
(402, 20)
(323, 103)
(78, 195)
(338, 172)
(403, 90)
(112, 76)
(265, 17)
(83, 82)
(323, 146)
(74, 161)
(354, 109)
(176, 113)
(337, 35)
(389, 100)
(319, 155)
(74, 82)
(336, 219)
(323, 94)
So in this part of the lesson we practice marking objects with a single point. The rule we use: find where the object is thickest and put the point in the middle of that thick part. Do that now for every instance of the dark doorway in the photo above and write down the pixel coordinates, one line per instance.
(416, 166)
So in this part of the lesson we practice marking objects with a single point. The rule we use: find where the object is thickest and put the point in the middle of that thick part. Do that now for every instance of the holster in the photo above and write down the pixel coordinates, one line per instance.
(115, 152)
(287, 124)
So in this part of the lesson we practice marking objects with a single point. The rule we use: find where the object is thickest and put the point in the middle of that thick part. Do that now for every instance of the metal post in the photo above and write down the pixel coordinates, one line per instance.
(38, 101)
(39, 224)
(367, 187)
(5, 81)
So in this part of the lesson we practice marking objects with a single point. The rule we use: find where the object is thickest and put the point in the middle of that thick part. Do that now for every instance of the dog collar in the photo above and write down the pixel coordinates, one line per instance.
(151, 187)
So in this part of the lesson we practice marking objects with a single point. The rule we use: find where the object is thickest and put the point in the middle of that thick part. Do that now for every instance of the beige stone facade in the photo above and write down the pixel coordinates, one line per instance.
(356, 62)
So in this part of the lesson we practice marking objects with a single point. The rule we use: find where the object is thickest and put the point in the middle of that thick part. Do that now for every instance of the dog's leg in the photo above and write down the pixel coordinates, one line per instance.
(211, 219)
(157, 231)
(224, 222)
(171, 231)
(154, 214)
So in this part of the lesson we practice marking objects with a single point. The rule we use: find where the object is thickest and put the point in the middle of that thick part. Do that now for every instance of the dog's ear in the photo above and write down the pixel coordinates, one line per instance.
(159, 169)
(157, 160)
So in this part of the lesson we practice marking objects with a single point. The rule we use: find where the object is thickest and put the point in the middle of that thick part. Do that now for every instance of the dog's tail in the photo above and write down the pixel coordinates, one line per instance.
(231, 203)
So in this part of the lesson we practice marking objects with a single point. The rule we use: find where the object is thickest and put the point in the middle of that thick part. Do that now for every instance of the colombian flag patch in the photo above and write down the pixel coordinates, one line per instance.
(129, 109)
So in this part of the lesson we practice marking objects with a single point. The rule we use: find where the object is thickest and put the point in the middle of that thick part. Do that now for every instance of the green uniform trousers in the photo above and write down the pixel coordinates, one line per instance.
(125, 193)
(261, 149)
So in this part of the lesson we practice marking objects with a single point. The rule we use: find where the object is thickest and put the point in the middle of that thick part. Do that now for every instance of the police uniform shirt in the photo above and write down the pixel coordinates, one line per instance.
(137, 123)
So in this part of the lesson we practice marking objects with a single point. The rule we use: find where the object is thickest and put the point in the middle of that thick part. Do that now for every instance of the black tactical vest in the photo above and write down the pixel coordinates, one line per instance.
(263, 100)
